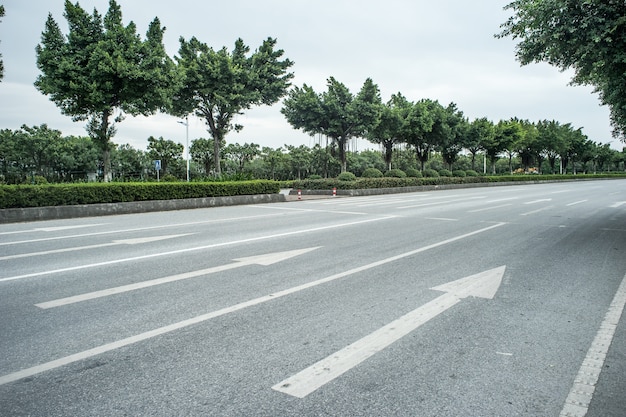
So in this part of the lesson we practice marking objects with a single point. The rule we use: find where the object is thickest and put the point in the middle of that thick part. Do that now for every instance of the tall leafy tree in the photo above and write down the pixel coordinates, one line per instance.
(336, 113)
(387, 129)
(102, 70)
(201, 150)
(453, 133)
(1, 61)
(219, 85)
(586, 36)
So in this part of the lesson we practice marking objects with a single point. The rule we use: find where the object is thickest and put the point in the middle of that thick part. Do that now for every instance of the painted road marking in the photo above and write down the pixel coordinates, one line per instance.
(25, 373)
(52, 229)
(265, 260)
(484, 285)
(489, 208)
(581, 394)
(577, 202)
(197, 248)
(138, 229)
(542, 200)
(536, 211)
(618, 204)
(102, 245)
(442, 202)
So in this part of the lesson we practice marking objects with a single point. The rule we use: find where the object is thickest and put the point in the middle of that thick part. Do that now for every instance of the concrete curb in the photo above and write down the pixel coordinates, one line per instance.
(88, 210)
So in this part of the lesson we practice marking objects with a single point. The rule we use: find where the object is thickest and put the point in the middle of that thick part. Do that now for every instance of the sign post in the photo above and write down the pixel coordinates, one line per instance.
(157, 167)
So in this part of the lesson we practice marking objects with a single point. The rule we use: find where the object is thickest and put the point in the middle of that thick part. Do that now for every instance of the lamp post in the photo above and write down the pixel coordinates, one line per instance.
(186, 124)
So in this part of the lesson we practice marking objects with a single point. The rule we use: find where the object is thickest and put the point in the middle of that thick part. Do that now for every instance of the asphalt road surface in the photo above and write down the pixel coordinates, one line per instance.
(495, 301)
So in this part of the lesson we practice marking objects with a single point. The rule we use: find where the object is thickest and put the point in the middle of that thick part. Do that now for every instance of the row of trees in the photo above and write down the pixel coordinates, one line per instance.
(39, 153)
(103, 70)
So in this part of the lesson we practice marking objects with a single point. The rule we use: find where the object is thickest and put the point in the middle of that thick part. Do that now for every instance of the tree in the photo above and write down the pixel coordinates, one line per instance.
(242, 153)
(586, 36)
(165, 150)
(201, 150)
(455, 130)
(103, 70)
(1, 61)
(479, 132)
(387, 129)
(508, 133)
(219, 85)
(336, 113)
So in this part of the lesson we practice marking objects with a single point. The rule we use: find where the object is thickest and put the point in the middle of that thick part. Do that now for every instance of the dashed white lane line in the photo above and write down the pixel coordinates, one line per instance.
(581, 394)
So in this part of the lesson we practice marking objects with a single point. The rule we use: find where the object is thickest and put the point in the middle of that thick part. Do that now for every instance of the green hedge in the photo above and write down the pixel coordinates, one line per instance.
(364, 183)
(18, 196)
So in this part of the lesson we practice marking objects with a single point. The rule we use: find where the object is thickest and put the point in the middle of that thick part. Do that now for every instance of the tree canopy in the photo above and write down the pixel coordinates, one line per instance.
(1, 61)
(102, 70)
(336, 113)
(219, 85)
(586, 36)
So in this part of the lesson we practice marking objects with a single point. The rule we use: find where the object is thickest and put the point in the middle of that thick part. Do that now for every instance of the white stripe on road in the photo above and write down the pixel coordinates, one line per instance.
(489, 208)
(581, 394)
(536, 211)
(137, 229)
(25, 373)
(197, 248)
(577, 202)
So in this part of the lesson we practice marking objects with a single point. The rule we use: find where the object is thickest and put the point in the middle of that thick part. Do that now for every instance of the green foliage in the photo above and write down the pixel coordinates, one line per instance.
(445, 173)
(414, 173)
(371, 173)
(395, 173)
(430, 173)
(218, 85)
(346, 176)
(336, 113)
(14, 196)
(315, 177)
(471, 173)
(459, 173)
(586, 36)
(102, 69)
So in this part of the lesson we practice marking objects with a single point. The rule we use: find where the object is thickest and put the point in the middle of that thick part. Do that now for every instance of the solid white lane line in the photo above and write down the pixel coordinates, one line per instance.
(536, 211)
(444, 219)
(489, 208)
(266, 259)
(52, 229)
(138, 229)
(581, 394)
(102, 245)
(197, 248)
(577, 202)
(442, 202)
(5, 379)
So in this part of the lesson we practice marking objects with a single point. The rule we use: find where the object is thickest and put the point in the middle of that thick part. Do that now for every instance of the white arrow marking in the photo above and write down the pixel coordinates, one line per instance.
(484, 285)
(264, 260)
(24, 373)
(538, 201)
(618, 204)
(101, 245)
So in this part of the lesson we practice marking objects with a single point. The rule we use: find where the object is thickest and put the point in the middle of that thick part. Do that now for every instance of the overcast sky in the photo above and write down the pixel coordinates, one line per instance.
(442, 50)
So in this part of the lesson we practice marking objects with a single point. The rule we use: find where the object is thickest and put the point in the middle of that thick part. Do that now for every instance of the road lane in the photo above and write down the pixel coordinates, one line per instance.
(519, 356)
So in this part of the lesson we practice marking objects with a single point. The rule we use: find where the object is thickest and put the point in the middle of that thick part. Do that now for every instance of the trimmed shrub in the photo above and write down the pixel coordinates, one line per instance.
(445, 173)
(430, 173)
(471, 173)
(395, 173)
(413, 173)
(371, 173)
(314, 177)
(18, 196)
(459, 173)
(346, 176)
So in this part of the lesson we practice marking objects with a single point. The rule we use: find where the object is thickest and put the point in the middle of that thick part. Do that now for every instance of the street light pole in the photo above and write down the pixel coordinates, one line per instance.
(186, 123)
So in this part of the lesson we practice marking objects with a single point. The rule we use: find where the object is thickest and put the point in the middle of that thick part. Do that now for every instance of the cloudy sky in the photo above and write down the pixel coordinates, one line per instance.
(443, 50)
